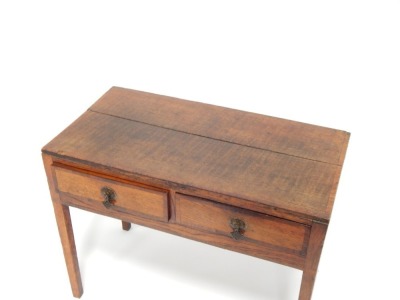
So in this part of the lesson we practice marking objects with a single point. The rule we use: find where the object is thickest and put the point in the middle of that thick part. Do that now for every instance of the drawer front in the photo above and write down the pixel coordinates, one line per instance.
(124, 197)
(242, 225)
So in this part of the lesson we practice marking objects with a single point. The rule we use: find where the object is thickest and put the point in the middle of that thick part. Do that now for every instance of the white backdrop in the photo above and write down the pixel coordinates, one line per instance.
(330, 63)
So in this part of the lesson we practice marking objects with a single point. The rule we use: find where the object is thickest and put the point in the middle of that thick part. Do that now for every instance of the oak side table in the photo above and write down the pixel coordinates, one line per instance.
(253, 184)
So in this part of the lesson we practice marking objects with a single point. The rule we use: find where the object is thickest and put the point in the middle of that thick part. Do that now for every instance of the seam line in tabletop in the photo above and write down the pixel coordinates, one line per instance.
(221, 140)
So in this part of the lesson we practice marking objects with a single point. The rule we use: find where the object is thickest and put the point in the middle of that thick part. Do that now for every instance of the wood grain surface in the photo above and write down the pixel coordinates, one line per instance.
(65, 230)
(269, 178)
(317, 238)
(244, 128)
(263, 251)
(260, 229)
(189, 169)
(135, 199)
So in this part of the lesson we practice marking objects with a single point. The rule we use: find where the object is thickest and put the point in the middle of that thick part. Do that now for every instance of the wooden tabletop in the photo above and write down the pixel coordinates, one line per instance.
(270, 161)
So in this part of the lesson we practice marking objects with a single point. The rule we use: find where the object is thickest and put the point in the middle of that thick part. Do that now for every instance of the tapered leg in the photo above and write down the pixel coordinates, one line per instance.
(317, 237)
(126, 225)
(68, 243)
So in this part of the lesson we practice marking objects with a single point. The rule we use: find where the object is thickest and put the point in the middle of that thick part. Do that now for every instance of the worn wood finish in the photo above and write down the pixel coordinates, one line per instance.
(225, 124)
(270, 178)
(189, 168)
(147, 181)
(261, 229)
(68, 243)
(291, 259)
(317, 237)
(132, 198)
(65, 230)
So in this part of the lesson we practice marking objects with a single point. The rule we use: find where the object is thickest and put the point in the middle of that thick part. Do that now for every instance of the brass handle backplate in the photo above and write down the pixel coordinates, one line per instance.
(238, 227)
(109, 196)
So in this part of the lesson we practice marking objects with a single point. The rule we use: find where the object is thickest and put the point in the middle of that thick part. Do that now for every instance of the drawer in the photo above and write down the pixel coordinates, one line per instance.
(242, 225)
(122, 196)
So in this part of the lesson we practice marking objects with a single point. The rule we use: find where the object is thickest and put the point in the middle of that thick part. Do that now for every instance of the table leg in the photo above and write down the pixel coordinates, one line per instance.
(126, 225)
(317, 237)
(68, 243)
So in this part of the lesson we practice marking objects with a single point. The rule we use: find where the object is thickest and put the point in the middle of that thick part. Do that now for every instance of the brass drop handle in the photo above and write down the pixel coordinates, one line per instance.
(109, 196)
(238, 227)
